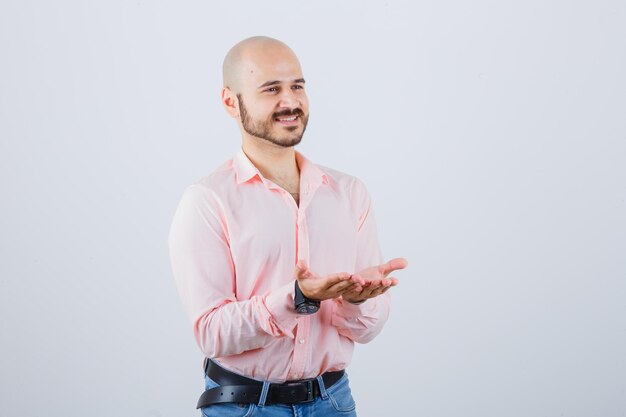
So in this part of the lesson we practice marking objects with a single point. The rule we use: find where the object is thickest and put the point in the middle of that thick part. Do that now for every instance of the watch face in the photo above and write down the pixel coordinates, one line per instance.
(308, 308)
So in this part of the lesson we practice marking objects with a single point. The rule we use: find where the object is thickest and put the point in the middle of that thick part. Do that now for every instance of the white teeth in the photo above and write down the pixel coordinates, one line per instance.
(290, 119)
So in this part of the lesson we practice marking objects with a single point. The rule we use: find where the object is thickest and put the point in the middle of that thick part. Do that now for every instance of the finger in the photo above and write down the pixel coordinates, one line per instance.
(389, 282)
(302, 270)
(353, 294)
(356, 287)
(335, 279)
(340, 287)
(352, 285)
(386, 288)
(301, 274)
(351, 289)
(378, 292)
(367, 291)
(373, 283)
(393, 265)
(358, 279)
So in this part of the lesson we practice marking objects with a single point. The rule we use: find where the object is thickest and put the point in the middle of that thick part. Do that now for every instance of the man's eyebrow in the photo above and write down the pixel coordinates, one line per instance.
(274, 82)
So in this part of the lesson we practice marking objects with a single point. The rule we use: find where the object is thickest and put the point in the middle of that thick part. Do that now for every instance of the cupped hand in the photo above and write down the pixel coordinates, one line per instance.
(373, 281)
(320, 288)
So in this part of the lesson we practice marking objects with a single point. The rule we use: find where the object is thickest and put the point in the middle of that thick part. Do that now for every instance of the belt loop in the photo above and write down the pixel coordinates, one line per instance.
(320, 382)
(264, 391)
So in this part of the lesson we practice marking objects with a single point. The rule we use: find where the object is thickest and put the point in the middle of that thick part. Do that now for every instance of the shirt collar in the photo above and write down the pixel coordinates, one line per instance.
(244, 168)
(309, 172)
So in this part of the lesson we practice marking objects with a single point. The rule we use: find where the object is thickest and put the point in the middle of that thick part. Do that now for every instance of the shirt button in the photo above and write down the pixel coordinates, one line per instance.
(301, 341)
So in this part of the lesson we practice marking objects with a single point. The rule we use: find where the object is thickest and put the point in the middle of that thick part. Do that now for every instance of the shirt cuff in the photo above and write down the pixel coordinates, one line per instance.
(280, 304)
(349, 310)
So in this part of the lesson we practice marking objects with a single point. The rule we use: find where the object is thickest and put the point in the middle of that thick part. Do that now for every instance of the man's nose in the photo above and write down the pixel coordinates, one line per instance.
(288, 99)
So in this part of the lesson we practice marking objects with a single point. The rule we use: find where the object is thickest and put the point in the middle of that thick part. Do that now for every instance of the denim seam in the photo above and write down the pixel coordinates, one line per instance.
(333, 400)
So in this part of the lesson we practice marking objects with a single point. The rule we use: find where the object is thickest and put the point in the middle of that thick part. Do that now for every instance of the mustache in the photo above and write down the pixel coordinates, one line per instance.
(294, 112)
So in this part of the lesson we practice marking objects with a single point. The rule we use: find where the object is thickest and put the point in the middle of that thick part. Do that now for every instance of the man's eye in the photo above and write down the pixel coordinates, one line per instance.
(298, 87)
(272, 89)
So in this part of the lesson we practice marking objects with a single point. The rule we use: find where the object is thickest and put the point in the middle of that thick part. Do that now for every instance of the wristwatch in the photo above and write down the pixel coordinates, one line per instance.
(304, 305)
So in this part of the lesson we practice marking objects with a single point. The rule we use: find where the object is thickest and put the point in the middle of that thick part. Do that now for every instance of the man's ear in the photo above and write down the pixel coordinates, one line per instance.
(230, 102)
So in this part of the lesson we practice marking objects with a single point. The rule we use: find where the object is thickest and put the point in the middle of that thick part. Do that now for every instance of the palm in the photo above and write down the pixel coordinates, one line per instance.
(374, 280)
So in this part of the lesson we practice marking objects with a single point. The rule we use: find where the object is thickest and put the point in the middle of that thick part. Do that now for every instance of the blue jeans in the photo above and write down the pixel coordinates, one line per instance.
(334, 401)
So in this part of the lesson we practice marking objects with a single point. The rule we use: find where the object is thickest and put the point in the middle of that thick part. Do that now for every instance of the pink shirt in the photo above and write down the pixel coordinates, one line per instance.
(234, 243)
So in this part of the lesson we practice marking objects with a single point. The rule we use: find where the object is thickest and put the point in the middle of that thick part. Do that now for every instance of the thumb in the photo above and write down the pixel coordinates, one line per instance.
(302, 270)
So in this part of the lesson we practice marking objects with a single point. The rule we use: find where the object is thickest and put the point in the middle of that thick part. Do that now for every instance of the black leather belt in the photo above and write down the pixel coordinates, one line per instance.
(235, 388)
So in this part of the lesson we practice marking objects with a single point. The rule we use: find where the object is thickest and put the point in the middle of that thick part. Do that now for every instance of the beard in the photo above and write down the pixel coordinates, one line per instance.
(263, 128)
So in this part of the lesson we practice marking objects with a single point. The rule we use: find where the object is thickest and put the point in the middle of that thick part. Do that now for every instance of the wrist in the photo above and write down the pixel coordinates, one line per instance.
(303, 304)
(303, 292)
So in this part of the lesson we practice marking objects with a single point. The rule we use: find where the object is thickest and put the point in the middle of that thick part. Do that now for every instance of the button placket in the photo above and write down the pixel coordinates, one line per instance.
(303, 237)
(301, 342)
(301, 349)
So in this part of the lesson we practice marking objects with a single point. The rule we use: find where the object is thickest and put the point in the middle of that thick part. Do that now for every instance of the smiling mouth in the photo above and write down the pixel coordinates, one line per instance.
(288, 120)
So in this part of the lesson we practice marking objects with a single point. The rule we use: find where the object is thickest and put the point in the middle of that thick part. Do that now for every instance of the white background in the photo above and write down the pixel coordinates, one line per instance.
(492, 138)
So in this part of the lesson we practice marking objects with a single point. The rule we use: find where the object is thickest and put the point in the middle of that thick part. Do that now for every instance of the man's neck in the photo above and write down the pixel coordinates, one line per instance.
(274, 162)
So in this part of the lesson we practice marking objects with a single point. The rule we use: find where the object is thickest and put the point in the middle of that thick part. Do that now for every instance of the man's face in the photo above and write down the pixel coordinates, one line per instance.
(273, 104)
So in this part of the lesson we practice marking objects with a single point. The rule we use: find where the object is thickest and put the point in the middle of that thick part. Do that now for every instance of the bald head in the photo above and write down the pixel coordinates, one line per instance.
(251, 56)
(265, 74)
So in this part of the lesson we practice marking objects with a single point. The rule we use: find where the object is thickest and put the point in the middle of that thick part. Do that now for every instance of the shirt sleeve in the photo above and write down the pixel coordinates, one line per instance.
(205, 278)
(361, 323)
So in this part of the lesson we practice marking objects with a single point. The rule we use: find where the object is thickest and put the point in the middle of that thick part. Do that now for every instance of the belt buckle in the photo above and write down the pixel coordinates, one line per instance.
(310, 395)
(299, 386)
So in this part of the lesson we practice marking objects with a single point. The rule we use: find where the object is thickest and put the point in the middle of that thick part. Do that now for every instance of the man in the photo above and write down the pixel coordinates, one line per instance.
(276, 259)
